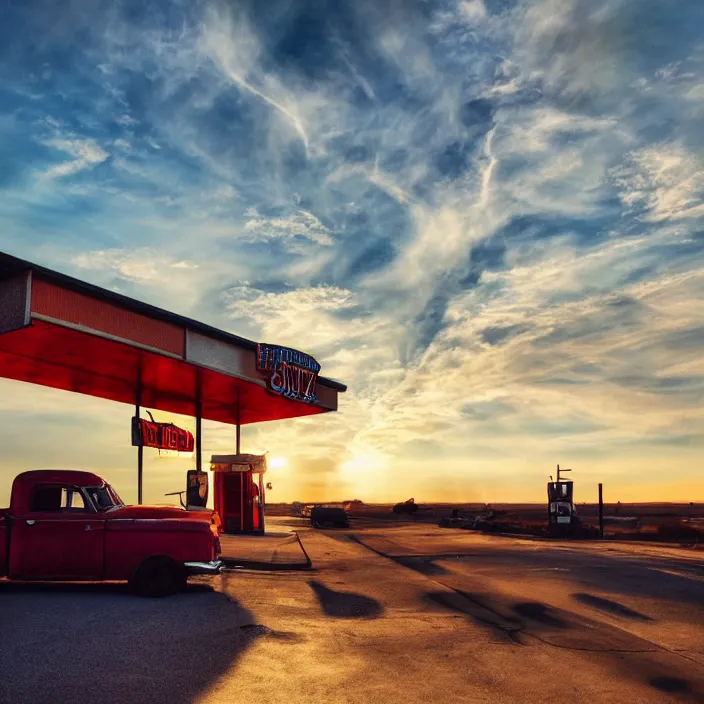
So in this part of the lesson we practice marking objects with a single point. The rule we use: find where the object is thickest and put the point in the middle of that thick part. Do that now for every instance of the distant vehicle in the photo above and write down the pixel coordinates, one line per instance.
(68, 525)
(408, 507)
(322, 516)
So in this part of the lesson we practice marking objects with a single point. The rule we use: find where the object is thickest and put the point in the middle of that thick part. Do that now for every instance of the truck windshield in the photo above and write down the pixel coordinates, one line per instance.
(104, 497)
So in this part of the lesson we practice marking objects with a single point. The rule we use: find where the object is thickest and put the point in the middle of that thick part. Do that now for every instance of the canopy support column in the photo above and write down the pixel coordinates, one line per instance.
(238, 427)
(199, 436)
(140, 448)
(199, 424)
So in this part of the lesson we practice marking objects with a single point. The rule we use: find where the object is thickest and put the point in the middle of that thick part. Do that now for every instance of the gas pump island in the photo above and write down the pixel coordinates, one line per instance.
(238, 479)
(64, 333)
(238, 492)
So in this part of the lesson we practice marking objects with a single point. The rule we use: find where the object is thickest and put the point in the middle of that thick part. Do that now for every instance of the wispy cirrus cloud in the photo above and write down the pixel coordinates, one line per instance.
(296, 229)
(141, 265)
(85, 154)
(664, 182)
(484, 216)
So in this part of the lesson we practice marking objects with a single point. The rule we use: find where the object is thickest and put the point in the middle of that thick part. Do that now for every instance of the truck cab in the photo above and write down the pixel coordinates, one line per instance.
(72, 525)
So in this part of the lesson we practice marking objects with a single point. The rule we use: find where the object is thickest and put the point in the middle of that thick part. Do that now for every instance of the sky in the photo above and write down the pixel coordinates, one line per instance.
(486, 217)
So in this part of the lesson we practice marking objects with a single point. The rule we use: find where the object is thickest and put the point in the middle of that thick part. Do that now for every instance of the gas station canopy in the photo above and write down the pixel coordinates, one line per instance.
(64, 333)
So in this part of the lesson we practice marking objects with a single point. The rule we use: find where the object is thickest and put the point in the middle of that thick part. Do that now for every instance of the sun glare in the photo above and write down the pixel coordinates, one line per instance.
(363, 464)
(277, 462)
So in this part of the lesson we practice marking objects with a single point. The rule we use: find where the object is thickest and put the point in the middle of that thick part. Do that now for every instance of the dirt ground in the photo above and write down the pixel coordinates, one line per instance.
(397, 613)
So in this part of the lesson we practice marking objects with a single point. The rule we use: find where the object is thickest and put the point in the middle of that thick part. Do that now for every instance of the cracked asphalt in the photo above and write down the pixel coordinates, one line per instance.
(406, 613)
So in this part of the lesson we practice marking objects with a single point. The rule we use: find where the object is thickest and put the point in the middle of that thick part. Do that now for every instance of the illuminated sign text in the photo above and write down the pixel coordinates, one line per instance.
(292, 374)
(163, 436)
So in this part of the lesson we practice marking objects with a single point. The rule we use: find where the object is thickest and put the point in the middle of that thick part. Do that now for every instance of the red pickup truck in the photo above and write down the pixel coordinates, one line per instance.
(71, 525)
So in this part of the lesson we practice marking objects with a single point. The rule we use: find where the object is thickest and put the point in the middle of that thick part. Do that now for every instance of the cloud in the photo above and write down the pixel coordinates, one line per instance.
(86, 154)
(665, 181)
(545, 322)
(295, 229)
(126, 120)
(485, 217)
(287, 314)
(144, 265)
(234, 47)
(474, 11)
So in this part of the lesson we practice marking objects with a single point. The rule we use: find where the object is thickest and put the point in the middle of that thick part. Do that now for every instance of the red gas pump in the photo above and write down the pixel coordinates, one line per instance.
(238, 492)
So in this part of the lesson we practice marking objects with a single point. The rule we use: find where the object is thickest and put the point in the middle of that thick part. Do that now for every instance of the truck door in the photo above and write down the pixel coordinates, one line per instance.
(60, 537)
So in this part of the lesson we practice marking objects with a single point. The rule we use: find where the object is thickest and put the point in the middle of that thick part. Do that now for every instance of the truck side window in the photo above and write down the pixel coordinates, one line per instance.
(72, 499)
(57, 498)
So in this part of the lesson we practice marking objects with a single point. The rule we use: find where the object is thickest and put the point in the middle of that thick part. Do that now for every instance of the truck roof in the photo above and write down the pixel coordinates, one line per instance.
(24, 483)
(78, 477)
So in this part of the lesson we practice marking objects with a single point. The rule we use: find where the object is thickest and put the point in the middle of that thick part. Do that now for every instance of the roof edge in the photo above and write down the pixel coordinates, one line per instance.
(11, 265)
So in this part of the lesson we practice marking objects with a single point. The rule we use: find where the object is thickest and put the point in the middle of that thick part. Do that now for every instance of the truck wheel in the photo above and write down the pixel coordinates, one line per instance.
(159, 576)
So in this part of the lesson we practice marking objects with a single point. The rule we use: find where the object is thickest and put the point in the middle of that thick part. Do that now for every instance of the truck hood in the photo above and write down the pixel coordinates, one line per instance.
(157, 512)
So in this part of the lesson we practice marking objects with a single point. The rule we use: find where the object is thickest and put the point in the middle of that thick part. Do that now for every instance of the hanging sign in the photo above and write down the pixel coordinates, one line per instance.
(163, 436)
(291, 373)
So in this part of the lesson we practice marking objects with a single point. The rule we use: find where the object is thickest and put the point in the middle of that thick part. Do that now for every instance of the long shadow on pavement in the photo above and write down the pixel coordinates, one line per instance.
(345, 604)
(670, 684)
(84, 643)
(610, 607)
(657, 577)
(503, 617)
(526, 623)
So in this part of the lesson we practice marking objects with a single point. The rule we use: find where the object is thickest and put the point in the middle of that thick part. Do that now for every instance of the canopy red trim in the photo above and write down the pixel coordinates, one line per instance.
(60, 332)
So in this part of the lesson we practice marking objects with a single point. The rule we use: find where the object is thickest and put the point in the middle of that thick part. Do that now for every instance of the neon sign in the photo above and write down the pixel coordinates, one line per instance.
(163, 436)
(293, 373)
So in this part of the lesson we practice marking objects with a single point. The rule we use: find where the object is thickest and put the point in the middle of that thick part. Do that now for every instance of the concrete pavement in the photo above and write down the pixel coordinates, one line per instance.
(421, 614)
(401, 614)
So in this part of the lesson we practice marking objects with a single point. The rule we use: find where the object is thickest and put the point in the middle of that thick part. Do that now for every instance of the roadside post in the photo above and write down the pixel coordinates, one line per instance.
(601, 511)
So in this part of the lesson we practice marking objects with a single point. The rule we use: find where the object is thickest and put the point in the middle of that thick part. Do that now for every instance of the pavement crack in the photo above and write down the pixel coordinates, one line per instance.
(577, 648)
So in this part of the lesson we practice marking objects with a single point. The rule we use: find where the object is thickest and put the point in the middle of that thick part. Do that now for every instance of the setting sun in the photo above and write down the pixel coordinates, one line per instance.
(277, 462)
